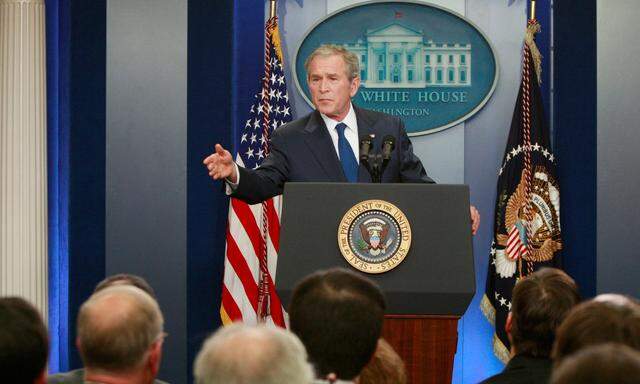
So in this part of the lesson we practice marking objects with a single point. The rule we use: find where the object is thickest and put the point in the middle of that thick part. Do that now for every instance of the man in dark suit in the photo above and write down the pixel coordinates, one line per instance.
(324, 145)
(540, 303)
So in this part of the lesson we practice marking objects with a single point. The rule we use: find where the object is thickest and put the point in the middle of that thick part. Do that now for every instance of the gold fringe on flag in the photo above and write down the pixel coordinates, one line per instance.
(500, 350)
(488, 310)
(276, 41)
(532, 28)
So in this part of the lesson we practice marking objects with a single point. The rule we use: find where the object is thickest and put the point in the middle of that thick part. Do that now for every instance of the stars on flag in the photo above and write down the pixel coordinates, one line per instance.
(270, 109)
(521, 149)
(502, 301)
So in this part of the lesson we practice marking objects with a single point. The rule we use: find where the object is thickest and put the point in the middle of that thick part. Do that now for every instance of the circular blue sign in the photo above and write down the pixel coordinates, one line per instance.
(430, 66)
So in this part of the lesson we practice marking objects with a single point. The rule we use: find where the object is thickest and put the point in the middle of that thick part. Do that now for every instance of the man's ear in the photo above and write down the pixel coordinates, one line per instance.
(78, 343)
(355, 84)
(508, 324)
(42, 379)
(155, 357)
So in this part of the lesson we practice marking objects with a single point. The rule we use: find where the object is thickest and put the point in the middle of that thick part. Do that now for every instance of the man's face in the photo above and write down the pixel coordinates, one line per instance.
(331, 90)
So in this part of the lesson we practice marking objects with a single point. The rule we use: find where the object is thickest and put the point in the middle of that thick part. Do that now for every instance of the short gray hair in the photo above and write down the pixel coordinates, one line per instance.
(116, 328)
(240, 354)
(325, 50)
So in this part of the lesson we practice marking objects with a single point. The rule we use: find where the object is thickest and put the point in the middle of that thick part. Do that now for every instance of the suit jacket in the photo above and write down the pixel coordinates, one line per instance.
(74, 377)
(302, 150)
(523, 370)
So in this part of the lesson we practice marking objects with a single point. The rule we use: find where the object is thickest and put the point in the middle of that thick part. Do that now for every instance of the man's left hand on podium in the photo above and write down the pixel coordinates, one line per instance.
(475, 219)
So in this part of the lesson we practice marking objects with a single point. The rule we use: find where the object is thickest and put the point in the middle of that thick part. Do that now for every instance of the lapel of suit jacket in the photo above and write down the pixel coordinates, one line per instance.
(365, 123)
(320, 145)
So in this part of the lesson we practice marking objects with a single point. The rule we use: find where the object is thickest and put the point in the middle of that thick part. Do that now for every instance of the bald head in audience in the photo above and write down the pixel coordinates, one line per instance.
(240, 354)
(120, 335)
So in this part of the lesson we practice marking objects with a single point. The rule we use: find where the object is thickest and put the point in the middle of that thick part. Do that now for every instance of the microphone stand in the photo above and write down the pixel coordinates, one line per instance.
(376, 171)
(375, 163)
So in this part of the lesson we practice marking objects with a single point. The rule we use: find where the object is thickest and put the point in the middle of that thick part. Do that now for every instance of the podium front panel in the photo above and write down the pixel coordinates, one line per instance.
(436, 277)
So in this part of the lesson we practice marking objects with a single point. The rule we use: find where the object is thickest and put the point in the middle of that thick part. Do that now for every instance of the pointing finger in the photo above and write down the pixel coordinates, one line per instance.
(208, 159)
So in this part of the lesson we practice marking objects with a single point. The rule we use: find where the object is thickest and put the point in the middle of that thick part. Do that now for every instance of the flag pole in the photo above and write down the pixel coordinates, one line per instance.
(530, 62)
(532, 14)
(264, 309)
(272, 8)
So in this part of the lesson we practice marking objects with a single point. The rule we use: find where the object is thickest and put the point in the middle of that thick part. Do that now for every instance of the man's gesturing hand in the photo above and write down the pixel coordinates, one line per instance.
(220, 165)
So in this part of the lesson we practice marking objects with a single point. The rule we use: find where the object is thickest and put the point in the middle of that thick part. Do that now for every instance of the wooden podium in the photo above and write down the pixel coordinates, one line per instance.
(426, 294)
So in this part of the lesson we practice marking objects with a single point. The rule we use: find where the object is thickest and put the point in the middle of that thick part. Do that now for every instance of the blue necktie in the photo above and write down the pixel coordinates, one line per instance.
(347, 158)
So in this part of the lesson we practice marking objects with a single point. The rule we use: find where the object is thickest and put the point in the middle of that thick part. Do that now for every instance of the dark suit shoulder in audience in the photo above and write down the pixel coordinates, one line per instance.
(523, 370)
(75, 377)
(71, 377)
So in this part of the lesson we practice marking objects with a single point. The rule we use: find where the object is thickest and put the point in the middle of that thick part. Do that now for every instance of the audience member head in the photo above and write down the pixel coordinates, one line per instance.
(241, 354)
(24, 343)
(616, 299)
(386, 367)
(598, 321)
(120, 334)
(338, 316)
(540, 302)
(125, 279)
(605, 363)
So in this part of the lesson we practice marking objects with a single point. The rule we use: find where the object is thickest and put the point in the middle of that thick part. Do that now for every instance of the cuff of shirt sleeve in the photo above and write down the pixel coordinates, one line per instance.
(230, 187)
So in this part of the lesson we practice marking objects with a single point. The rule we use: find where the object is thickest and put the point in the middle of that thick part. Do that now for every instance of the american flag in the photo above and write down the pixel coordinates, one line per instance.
(515, 246)
(527, 233)
(248, 291)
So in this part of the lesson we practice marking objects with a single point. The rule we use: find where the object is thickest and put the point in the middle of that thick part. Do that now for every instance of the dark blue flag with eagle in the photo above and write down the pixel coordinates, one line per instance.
(527, 214)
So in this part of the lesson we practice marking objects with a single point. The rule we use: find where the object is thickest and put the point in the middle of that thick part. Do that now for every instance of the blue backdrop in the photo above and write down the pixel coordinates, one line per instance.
(225, 48)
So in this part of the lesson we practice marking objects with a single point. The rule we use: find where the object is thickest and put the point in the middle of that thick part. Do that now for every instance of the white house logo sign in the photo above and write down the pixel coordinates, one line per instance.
(425, 64)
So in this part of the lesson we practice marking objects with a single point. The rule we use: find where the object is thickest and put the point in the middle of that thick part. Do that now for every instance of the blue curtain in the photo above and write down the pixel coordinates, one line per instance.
(57, 35)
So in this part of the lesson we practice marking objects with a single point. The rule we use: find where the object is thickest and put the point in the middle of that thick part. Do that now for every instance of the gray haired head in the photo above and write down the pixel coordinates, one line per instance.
(241, 354)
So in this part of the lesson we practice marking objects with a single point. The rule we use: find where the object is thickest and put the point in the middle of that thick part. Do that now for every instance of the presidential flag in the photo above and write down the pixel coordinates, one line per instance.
(527, 213)
(248, 291)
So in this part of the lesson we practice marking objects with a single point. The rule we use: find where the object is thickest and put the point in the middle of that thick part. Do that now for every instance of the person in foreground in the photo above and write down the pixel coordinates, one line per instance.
(120, 279)
(540, 302)
(324, 145)
(608, 318)
(610, 363)
(337, 314)
(24, 344)
(241, 354)
(120, 336)
(385, 367)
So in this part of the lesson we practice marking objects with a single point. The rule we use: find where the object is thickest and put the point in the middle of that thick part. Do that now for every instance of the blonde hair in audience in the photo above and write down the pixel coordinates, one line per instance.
(386, 367)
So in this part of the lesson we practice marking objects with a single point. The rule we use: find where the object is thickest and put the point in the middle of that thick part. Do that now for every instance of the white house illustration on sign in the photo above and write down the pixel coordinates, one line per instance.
(397, 56)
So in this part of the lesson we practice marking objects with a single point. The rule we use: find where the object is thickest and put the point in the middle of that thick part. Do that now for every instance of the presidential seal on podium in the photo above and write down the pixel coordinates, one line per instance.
(374, 236)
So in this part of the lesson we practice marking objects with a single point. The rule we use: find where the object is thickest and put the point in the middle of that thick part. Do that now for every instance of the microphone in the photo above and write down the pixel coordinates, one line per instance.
(388, 144)
(365, 147)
